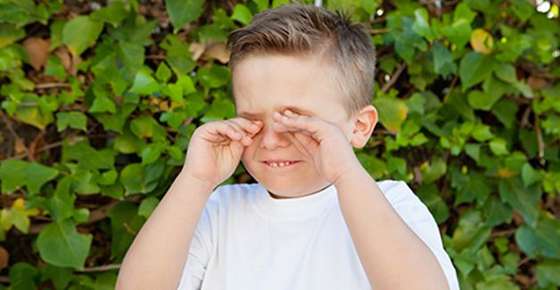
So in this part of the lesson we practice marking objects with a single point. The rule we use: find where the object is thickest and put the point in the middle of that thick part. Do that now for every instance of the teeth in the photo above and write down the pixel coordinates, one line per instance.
(280, 164)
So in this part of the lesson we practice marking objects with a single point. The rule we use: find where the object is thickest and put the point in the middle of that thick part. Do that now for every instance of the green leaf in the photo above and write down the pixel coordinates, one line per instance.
(102, 104)
(431, 196)
(392, 112)
(60, 277)
(133, 179)
(529, 175)
(86, 156)
(144, 83)
(15, 174)
(152, 152)
(125, 224)
(547, 273)
(163, 73)
(114, 13)
(61, 245)
(471, 233)
(146, 127)
(522, 199)
(220, 108)
(214, 77)
(541, 240)
(178, 55)
(147, 206)
(474, 68)
(61, 204)
(76, 120)
(481, 100)
(242, 14)
(443, 60)
(23, 276)
(9, 34)
(80, 33)
(498, 146)
(421, 24)
(497, 282)
(180, 11)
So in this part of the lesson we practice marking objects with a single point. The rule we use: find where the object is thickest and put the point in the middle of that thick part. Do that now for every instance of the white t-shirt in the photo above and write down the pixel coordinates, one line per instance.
(248, 240)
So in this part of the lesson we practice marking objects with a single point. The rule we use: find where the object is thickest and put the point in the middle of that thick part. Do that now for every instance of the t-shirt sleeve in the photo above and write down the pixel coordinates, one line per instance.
(418, 217)
(200, 249)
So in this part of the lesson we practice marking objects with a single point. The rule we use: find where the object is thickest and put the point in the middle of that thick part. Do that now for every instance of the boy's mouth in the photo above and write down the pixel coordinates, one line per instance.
(280, 163)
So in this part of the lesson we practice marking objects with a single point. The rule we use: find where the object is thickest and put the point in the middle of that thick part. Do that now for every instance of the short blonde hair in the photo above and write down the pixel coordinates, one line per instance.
(299, 29)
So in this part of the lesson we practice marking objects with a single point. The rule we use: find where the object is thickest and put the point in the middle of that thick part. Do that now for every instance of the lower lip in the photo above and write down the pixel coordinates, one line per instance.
(282, 167)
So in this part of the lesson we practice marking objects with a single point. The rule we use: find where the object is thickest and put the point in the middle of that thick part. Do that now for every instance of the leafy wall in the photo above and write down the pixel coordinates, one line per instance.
(98, 100)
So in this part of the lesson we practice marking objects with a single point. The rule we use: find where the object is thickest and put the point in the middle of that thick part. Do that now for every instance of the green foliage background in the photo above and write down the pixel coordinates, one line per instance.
(95, 123)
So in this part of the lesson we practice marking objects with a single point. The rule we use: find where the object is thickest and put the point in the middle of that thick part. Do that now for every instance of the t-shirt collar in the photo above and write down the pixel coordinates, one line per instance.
(298, 207)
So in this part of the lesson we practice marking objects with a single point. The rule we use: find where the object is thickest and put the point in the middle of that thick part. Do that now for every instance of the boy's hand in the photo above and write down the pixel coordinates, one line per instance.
(215, 149)
(324, 143)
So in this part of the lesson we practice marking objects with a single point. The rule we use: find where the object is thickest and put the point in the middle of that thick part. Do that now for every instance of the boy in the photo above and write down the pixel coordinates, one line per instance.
(302, 82)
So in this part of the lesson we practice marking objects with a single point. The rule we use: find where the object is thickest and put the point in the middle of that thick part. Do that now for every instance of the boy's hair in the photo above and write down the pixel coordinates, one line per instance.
(307, 30)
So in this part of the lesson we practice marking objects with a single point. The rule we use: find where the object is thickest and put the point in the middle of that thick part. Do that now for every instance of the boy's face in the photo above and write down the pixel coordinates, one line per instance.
(271, 83)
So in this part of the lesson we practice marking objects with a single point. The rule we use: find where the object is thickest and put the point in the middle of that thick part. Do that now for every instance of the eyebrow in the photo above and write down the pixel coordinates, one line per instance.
(291, 108)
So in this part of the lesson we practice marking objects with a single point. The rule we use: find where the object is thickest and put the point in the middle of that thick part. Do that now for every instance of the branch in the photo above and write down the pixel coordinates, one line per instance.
(101, 268)
(394, 78)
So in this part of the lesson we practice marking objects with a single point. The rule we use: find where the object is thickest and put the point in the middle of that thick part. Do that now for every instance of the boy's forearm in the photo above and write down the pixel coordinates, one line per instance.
(392, 255)
(156, 257)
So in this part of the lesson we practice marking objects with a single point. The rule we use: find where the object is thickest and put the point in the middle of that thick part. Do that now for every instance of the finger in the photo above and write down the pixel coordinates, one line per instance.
(226, 130)
(252, 127)
(309, 125)
(299, 139)
(247, 136)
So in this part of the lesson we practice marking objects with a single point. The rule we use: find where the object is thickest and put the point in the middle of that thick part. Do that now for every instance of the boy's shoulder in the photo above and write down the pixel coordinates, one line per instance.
(226, 195)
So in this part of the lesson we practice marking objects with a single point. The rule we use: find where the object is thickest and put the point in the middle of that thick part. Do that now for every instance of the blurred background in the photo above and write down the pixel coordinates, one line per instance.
(98, 100)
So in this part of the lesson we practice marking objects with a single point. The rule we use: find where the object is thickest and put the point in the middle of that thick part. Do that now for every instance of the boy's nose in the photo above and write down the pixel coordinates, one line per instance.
(270, 139)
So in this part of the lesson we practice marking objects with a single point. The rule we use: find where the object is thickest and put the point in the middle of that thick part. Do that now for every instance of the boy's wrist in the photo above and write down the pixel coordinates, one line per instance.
(192, 180)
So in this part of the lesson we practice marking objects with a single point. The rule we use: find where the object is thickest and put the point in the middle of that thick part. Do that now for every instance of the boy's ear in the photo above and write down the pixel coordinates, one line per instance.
(364, 124)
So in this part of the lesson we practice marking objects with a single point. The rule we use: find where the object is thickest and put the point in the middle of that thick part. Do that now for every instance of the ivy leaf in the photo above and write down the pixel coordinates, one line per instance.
(242, 14)
(522, 199)
(392, 112)
(61, 245)
(24, 276)
(18, 216)
(547, 273)
(474, 68)
(76, 120)
(144, 83)
(60, 277)
(133, 179)
(443, 60)
(481, 100)
(421, 25)
(213, 77)
(147, 206)
(541, 239)
(146, 127)
(86, 156)
(125, 224)
(80, 33)
(9, 34)
(102, 104)
(18, 173)
(181, 11)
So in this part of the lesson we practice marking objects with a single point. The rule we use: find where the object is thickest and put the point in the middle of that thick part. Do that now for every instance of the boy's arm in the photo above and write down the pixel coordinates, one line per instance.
(392, 255)
(158, 253)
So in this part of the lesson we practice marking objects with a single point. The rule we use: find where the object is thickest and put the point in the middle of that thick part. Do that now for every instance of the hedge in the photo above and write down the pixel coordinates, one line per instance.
(99, 99)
